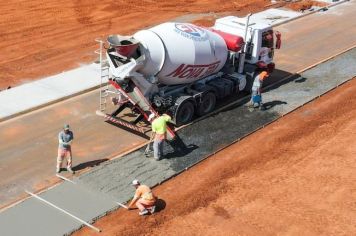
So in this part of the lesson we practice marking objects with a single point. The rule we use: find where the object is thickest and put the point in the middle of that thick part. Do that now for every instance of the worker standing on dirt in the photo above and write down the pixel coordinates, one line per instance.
(65, 138)
(256, 97)
(144, 199)
(159, 133)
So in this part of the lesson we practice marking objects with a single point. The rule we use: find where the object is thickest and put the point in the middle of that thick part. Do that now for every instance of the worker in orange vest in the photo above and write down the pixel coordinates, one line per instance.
(256, 97)
(144, 199)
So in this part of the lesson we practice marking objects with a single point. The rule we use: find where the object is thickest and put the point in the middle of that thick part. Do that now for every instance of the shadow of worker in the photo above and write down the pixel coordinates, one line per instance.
(179, 148)
(269, 105)
(89, 164)
(160, 205)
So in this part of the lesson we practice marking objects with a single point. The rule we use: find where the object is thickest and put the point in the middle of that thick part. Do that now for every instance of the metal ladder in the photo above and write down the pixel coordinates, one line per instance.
(104, 76)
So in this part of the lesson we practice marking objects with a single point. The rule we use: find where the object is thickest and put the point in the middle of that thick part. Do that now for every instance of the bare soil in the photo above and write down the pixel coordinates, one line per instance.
(42, 38)
(294, 177)
(305, 5)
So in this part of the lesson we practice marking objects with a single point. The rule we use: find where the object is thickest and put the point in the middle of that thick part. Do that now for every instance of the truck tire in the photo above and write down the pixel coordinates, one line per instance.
(184, 111)
(207, 104)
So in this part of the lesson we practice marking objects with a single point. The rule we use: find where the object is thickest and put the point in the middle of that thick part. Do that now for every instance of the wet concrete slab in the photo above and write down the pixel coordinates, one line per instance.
(310, 84)
(79, 201)
(34, 217)
(31, 217)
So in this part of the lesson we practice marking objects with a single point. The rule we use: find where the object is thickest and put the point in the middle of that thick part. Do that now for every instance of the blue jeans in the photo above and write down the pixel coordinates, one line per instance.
(158, 149)
(256, 99)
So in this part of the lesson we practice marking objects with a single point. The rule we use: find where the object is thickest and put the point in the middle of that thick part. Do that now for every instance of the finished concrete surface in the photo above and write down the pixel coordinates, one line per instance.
(112, 179)
(30, 142)
(38, 93)
(307, 40)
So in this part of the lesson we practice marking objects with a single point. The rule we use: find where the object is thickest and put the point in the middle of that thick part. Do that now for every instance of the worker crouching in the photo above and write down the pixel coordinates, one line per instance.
(143, 199)
(159, 133)
(256, 92)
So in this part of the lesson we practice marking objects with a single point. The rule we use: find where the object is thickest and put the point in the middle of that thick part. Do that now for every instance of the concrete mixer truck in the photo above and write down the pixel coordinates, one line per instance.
(184, 69)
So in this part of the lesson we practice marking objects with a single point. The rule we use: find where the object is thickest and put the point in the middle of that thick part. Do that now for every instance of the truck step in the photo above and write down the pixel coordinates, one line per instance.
(121, 122)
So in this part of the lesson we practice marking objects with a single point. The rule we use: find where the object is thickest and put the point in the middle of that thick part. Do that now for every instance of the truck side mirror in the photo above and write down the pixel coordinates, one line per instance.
(278, 40)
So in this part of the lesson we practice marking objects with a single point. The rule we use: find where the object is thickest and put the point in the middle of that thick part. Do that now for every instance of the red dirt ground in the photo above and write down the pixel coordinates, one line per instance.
(295, 177)
(304, 5)
(41, 38)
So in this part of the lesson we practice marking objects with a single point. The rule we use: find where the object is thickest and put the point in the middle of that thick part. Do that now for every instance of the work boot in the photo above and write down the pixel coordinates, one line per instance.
(256, 105)
(262, 107)
(70, 170)
(144, 212)
(152, 209)
(149, 154)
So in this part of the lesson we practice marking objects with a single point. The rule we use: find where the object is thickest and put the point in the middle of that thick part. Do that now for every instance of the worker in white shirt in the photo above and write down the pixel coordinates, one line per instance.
(65, 138)
(256, 97)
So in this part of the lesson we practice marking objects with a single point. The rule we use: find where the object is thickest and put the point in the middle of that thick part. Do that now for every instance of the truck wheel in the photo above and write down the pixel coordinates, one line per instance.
(207, 104)
(184, 113)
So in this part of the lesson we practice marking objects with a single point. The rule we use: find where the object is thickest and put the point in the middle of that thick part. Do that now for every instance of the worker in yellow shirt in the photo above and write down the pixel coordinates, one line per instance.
(143, 199)
(159, 133)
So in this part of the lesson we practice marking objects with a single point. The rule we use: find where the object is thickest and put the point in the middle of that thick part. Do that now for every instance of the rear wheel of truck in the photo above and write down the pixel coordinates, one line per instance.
(207, 104)
(184, 112)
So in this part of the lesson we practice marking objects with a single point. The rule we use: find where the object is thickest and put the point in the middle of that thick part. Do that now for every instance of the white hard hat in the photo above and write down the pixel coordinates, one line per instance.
(151, 116)
(135, 182)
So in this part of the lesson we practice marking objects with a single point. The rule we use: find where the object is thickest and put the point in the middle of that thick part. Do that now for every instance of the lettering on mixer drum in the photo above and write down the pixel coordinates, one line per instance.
(194, 71)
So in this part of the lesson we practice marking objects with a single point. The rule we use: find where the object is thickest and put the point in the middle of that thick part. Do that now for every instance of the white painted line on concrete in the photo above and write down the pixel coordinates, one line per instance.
(122, 205)
(66, 179)
(64, 211)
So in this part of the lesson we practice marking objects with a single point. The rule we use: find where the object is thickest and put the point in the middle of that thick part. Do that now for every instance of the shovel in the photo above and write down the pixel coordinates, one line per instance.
(148, 148)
